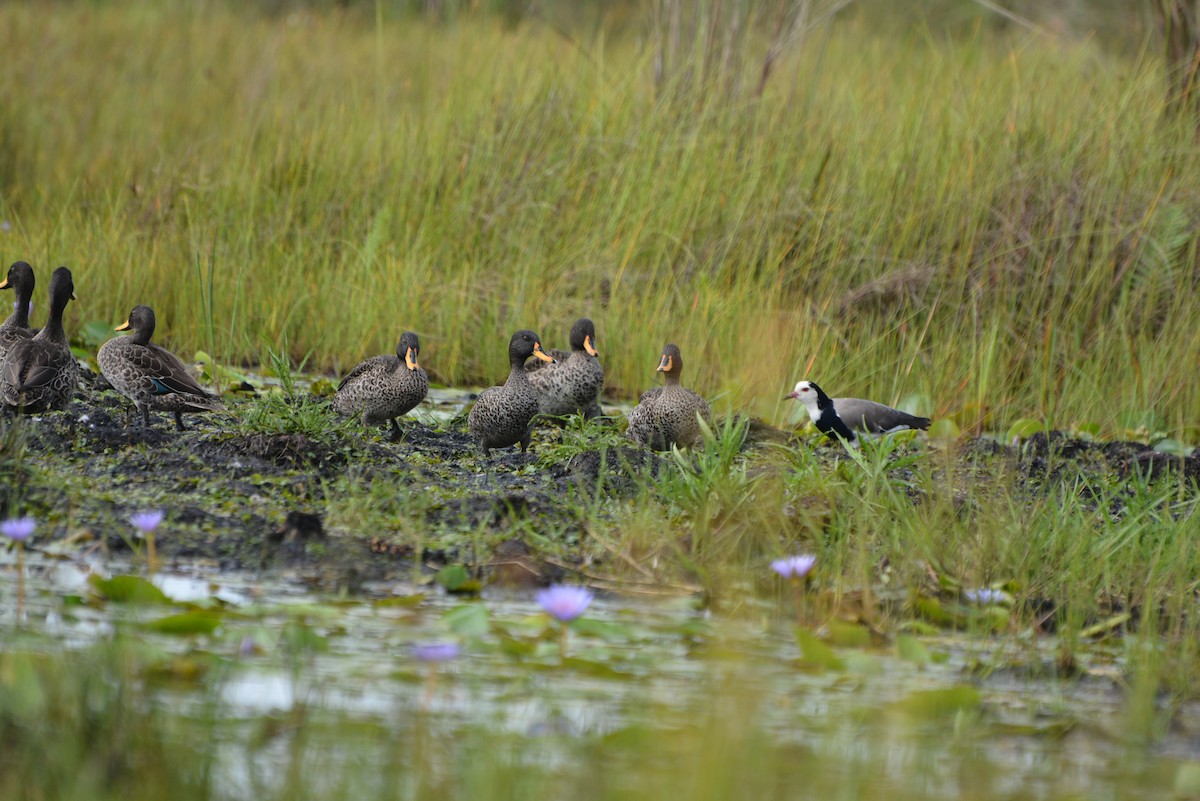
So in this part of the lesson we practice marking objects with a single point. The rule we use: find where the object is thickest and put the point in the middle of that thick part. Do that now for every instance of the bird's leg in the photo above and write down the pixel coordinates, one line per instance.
(397, 434)
(179, 421)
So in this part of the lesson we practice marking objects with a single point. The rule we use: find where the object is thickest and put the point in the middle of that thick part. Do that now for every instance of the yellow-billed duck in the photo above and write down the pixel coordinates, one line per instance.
(574, 380)
(40, 373)
(504, 415)
(383, 388)
(149, 374)
(669, 415)
(16, 327)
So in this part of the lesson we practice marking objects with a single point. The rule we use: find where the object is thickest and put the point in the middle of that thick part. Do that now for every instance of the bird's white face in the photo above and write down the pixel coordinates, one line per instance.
(806, 395)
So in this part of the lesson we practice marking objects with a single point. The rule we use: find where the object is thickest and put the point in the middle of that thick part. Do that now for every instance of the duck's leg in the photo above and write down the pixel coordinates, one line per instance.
(397, 434)
(179, 421)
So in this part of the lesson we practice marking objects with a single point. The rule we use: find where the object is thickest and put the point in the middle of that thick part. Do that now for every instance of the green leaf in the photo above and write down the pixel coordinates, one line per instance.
(468, 620)
(939, 703)
(186, 623)
(452, 577)
(932, 609)
(1024, 428)
(95, 333)
(817, 653)
(848, 635)
(944, 428)
(610, 632)
(1172, 446)
(910, 649)
(404, 601)
(128, 590)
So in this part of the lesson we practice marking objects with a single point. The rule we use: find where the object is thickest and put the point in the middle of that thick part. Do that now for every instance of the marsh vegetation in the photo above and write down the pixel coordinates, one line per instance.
(989, 222)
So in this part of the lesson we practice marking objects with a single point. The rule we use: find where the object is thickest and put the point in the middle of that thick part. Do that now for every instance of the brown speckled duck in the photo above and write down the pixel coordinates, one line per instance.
(383, 388)
(16, 327)
(573, 381)
(669, 415)
(40, 373)
(150, 375)
(504, 415)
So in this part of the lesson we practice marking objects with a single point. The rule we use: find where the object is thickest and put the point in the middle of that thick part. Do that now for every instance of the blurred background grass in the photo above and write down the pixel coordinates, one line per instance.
(987, 214)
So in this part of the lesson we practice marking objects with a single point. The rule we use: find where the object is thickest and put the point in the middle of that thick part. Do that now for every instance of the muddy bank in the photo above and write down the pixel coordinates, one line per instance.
(350, 504)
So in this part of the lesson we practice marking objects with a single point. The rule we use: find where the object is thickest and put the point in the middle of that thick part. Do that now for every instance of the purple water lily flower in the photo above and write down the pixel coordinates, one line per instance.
(564, 602)
(794, 567)
(18, 528)
(985, 596)
(147, 521)
(435, 651)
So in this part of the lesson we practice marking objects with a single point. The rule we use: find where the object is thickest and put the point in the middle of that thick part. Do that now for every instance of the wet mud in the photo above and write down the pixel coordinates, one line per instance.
(260, 499)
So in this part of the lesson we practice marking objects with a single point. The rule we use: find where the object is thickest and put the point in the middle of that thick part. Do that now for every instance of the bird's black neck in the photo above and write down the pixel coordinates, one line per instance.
(831, 425)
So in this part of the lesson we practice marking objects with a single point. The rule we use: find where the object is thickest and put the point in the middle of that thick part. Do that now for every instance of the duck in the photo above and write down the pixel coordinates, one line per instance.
(149, 374)
(40, 373)
(503, 415)
(847, 417)
(383, 388)
(574, 380)
(16, 327)
(670, 414)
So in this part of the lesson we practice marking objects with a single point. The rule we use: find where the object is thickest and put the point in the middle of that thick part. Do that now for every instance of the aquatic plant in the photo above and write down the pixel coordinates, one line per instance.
(794, 567)
(565, 603)
(985, 596)
(146, 522)
(19, 529)
(435, 652)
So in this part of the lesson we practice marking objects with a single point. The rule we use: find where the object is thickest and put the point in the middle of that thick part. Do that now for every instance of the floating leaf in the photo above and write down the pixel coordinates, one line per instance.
(452, 577)
(847, 635)
(180, 669)
(404, 601)
(186, 623)
(817, 653)
(939, 703)
(910, 649)
(610, 632)
(128, 590)
(468, 620)
(932, 609)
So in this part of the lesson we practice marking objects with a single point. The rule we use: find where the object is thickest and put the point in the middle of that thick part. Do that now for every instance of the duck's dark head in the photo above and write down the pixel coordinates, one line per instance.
(671, 363)
(19, 278)
(408, 349)
(62, 289)
(524, 344)
(583, 336)
(141, 322)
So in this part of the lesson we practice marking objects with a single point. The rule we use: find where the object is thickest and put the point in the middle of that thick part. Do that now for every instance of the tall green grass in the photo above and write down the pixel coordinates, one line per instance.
(1001, 226)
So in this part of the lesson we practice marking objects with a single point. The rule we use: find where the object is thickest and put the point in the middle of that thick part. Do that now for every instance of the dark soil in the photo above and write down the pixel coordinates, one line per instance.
(256, 499)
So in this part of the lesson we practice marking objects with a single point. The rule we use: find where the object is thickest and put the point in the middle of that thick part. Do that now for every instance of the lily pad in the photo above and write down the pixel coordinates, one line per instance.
(128, 590)
(186, 623)
(468, 620)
